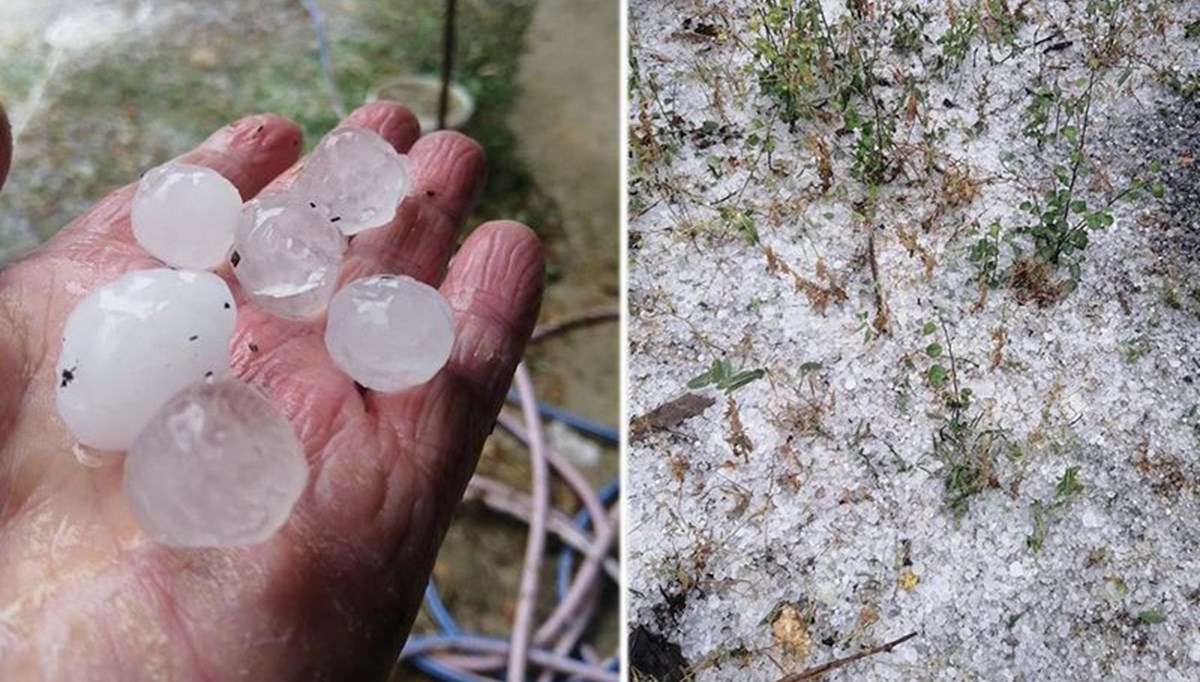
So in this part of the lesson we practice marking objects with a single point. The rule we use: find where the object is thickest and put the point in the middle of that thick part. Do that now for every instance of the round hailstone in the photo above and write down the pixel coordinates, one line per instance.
(287, 256)
(217, 466)
(185, 215)
(133, 343)
(389, 332)
(356, 178)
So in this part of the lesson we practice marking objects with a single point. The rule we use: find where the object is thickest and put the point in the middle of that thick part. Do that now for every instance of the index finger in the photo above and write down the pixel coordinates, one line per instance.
(249, 153)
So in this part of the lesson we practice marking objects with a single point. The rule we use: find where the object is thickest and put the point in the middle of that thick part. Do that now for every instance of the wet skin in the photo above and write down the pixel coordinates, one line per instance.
(84, 595)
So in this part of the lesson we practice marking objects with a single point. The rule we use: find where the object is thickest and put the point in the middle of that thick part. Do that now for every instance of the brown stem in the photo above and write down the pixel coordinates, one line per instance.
(447, 62)
(881, 312)
(817, 671)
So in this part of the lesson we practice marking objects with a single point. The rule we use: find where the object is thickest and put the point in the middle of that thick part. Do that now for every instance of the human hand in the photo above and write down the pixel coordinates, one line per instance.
(85, 596)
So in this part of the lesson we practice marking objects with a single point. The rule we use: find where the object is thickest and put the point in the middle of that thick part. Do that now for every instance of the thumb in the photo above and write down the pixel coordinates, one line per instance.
(5, 145)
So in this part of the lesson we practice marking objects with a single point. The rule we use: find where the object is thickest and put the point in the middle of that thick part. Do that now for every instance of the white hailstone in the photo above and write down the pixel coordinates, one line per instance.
(133, 343)
(356, 178)
(185, 215)
(389, 332)
(217, 466)
(287, 256)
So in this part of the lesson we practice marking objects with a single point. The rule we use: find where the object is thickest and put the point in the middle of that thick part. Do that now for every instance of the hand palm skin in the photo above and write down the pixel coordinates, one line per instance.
(84, 595)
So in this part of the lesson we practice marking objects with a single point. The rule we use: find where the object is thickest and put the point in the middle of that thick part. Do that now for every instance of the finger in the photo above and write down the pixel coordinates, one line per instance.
(249, 153)
(447, 178)
(5, 145)
(494, 287)
(392, 121)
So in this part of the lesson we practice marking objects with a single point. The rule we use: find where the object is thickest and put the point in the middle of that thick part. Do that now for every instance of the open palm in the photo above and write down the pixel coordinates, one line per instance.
(85, 596)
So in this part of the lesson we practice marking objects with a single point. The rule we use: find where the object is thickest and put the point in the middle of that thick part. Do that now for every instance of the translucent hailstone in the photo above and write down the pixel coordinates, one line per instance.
(389, 332)
(356, 178)
(217, 466)
(287, 256)
(185, 215)
(133, 343)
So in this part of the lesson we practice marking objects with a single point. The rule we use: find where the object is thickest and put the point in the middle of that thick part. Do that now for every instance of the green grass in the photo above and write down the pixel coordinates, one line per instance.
(122, 110)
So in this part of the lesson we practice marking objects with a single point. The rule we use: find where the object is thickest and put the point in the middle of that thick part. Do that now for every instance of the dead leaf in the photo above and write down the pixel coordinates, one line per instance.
(669, 415)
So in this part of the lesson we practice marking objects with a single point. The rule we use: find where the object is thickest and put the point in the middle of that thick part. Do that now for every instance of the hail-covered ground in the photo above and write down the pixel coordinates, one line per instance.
(962, 241)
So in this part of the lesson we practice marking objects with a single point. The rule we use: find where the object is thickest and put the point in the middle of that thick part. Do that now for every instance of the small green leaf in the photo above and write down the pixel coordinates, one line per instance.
(722, 369)
(810, 366)
(929, 328)
(741, 379)
(937, 376)
(1152, 617)
(1156, 190)
(933, 350)
(700, 381)
(1069, 484)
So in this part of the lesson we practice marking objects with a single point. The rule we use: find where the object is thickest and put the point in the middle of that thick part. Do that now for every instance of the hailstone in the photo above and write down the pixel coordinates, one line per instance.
(356, 178)
(389, 332)
(217, 466)
(131, 344)
(287, 256)
(185, 215)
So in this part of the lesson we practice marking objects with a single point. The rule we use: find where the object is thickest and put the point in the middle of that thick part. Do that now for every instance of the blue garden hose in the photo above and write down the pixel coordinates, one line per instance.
(582, 424)
(449, 632)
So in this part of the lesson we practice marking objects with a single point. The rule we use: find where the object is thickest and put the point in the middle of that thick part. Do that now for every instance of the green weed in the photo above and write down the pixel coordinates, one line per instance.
(956, 41)
(1066, 490)
(796, 55)
(968, 449)
(985, 252)
(1059, 219)
(723, 376)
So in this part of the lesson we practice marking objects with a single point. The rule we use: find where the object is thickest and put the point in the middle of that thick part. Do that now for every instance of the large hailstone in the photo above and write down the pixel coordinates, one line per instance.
(133, 343)
(389, 332)
(356, 178)
(185, 215)
(217, 466)
(287, 256)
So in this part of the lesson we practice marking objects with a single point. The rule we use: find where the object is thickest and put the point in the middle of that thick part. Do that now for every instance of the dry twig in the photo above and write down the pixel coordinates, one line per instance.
(818, 670)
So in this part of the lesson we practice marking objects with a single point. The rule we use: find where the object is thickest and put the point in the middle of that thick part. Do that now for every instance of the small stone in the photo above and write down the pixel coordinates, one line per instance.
(185, 215)
(288, 256)
(217, 466)
(133, 343)
(389, 332)
(355, 178)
